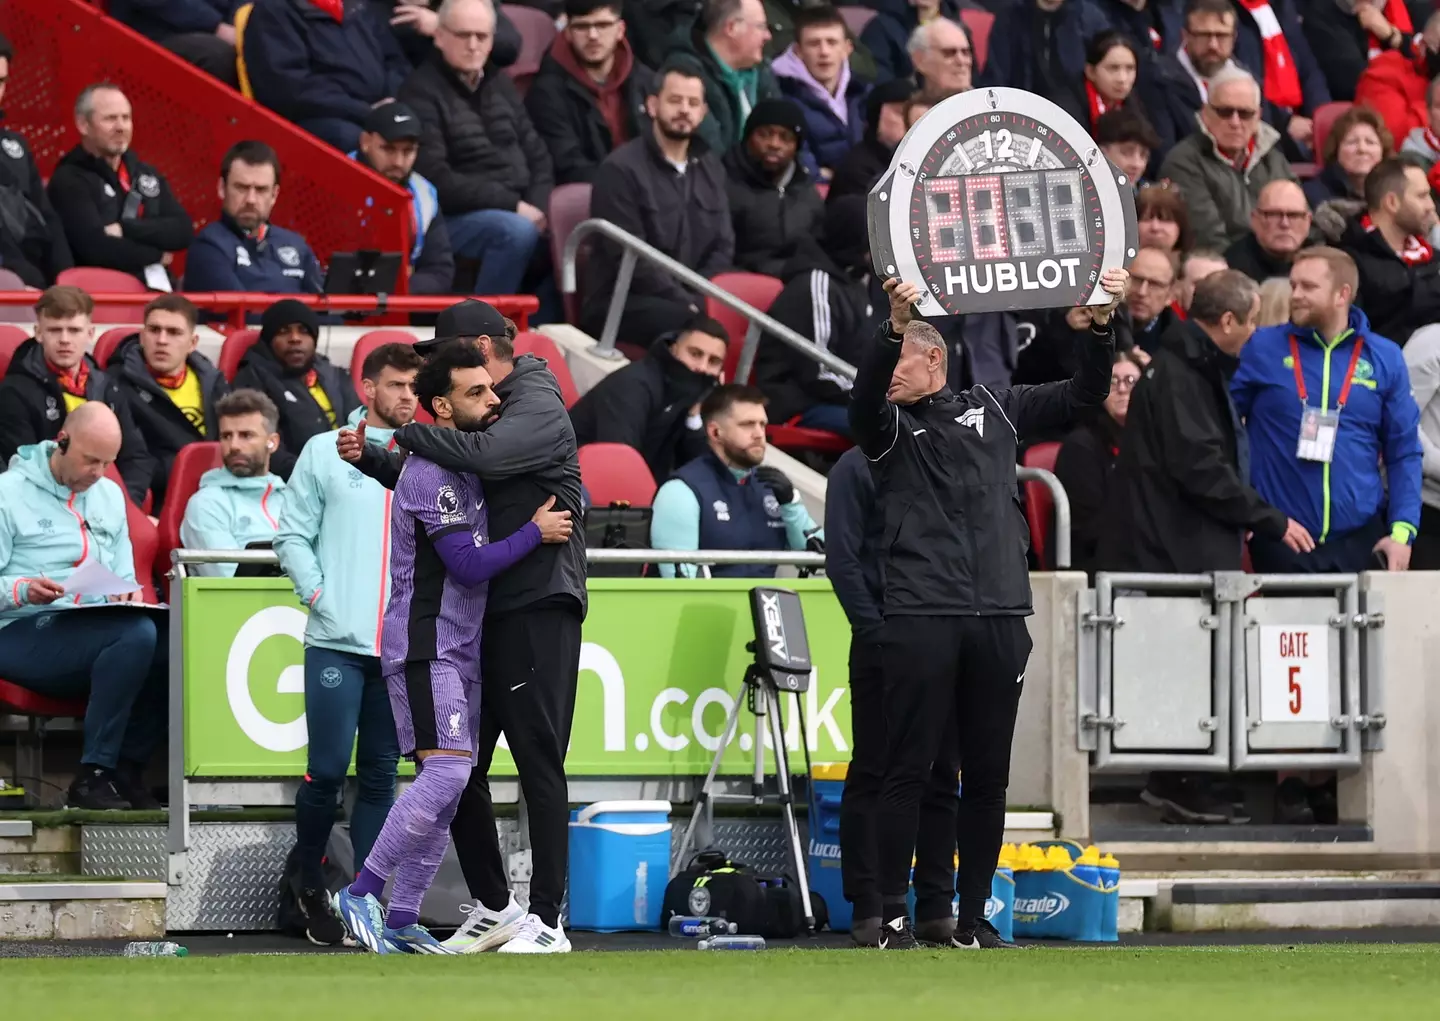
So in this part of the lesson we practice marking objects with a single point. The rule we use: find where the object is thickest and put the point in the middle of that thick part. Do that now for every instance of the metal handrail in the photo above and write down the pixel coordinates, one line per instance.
(635, 248)
(1061, 499)
(785, 558)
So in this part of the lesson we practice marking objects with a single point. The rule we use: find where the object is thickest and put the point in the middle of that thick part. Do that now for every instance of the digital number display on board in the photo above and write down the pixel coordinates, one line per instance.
(998, 200)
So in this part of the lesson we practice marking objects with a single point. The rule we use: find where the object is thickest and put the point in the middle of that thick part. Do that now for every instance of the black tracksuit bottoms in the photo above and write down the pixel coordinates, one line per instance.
(944, 676)
(859, 836)
(529, 663)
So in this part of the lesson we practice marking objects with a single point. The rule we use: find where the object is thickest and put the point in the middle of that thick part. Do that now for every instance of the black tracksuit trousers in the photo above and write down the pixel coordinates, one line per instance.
(859, 837)
(942, 677)
(530, 661)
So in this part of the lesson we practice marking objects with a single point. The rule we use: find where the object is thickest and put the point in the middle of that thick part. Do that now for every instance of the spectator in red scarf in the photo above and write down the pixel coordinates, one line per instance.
(1112, 63)
(1222, 167)
(1352, 34)
(1399, 274)
(1396, 84)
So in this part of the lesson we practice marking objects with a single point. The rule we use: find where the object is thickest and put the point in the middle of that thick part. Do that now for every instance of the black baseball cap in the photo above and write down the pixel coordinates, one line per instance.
(394, 122)
(470, 318)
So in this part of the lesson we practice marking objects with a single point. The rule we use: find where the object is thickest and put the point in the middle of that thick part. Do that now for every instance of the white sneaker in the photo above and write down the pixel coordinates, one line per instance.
(485, 929)
(535, 937)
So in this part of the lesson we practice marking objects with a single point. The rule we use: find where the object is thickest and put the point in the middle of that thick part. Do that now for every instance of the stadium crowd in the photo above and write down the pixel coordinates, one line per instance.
(1287, 285)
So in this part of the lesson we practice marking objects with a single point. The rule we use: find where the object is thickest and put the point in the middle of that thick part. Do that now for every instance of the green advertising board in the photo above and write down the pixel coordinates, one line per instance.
(660, 665)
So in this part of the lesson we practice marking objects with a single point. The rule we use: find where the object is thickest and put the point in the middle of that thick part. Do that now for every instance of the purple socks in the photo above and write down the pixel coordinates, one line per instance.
(412, 842)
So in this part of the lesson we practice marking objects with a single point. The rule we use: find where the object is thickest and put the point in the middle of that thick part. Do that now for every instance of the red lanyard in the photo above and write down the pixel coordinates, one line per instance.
(1344, 387)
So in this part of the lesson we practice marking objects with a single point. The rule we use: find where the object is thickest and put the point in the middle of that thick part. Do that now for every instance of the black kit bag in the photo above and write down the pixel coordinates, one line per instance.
(758, 904)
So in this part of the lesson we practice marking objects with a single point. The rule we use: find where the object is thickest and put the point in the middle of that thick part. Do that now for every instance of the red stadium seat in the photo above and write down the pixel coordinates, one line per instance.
(233, 349)
(979, 23)
(537, 33)
(107, 281)
(755, 288)
(794, 438)
(1325, 117)
(193, 460)
(856, 18)
(108, 342)
(615, 473)
(569, 205)
(113, 474)
(10, 281)
(24, 702)
(11, 337)
(530, 342)
(1039, 507)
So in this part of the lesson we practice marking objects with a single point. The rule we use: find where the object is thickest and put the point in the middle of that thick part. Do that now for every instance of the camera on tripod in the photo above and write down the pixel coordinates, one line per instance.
(781, 647)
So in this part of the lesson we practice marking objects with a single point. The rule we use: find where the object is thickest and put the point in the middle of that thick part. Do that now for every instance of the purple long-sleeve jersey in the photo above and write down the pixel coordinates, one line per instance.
(441, 560)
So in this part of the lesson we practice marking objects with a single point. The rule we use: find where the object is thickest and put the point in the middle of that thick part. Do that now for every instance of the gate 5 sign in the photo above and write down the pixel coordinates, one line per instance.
(1294, 674)
(998, 200)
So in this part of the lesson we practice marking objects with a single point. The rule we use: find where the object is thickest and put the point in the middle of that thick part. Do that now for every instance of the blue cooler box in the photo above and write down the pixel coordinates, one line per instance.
(619, 865)
(1058, 905)
(824, 865)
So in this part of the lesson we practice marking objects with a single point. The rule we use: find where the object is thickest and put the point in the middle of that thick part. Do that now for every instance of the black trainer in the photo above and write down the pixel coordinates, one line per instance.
(982, 936)
(897, 934)
(130, 782)
(935, 932)
(322, 924)
(95, 789)
(865, 932)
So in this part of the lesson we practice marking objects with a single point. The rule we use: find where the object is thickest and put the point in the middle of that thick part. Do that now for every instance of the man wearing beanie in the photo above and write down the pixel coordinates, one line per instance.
(884, 127)
(313, 395)
(773, 202)
(826, 298)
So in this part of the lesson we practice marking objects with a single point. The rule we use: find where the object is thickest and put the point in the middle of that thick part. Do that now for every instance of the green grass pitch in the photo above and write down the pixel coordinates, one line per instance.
(1309, 983)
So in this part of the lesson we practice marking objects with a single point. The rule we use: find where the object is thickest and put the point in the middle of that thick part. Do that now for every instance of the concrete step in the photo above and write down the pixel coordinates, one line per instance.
(1256, 901)
(28, 850)
(77, 908)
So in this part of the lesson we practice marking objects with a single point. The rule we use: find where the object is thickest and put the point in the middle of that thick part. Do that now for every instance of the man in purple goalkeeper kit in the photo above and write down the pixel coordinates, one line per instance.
(440, 566)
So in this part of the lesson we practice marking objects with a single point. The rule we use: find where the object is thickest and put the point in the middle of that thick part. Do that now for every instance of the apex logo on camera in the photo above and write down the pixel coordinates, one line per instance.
(774, 626)
(1040, 909)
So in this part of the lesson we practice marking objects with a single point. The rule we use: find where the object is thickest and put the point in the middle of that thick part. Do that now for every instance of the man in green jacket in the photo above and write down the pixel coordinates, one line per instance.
(334, 544)
(727, 43)
(1221, 168)
(239, 503)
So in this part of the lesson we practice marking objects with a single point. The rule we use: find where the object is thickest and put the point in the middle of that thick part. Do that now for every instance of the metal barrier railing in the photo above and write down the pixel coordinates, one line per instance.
(633, 249)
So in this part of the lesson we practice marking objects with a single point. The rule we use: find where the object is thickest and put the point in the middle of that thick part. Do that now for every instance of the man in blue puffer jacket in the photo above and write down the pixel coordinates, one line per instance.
(815, 72)
(58, 511)
(333, 543)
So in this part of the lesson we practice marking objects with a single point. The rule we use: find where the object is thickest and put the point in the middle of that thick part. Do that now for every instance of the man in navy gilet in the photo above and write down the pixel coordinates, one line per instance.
(725, 499)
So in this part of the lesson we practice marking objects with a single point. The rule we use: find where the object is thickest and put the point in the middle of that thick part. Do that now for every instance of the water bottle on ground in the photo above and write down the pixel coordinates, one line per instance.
(154, 950)
(732, 943)
(698, 927)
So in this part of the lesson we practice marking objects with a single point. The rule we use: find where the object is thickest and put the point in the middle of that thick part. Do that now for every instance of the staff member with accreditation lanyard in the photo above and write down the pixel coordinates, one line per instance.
(955, 585)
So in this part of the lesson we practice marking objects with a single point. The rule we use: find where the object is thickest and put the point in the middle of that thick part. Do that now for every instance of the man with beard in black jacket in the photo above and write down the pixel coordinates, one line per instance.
(827, 299)
(668, 190)
(118, 212)
(950, 541)
(313, 395)
(530, 659)
(1399, 271)
(52, 375)
(171, 387)
(653, 405)
(773, 202)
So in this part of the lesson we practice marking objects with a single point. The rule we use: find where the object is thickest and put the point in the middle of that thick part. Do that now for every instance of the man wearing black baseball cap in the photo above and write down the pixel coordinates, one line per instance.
(530, 656)
(389, 145)
(313, 395)
(773, 202)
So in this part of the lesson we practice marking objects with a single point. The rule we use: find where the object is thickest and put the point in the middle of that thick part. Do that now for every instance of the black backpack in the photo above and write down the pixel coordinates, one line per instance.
(758, 904)
(618, 526)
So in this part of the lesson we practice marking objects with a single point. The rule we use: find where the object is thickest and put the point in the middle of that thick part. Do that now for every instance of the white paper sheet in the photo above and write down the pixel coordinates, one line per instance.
(93, 578)
(156, 278)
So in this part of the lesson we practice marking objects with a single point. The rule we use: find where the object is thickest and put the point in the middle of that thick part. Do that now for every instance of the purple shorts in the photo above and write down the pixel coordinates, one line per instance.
(434, 709)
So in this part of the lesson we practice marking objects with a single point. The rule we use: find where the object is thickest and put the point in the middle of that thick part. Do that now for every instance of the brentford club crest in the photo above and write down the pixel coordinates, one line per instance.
(998, 200)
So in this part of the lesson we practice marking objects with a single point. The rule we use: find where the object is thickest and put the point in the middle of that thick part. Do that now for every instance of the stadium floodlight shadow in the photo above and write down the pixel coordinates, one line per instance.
(782, 663)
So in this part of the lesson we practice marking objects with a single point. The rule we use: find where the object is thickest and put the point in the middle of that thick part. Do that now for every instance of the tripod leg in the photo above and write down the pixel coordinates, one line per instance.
(703, 796)
(758, 707)
(787, 804)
